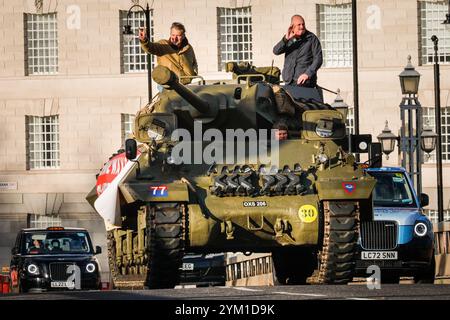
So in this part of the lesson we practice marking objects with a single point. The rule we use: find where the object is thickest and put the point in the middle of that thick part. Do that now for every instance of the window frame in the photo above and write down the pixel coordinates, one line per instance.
(428, 113)
(128, 50)
(127, 119)
(342, 50)
(426, 47)
(42, 140)
(37, 55)
(432, 214)
(232, 38)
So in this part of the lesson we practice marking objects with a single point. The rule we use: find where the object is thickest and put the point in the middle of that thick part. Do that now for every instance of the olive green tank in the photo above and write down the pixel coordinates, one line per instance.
(206, 175)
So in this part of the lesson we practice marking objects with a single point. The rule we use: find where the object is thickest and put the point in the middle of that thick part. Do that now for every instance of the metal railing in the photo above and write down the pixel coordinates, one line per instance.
(253, 270)
(442, 246)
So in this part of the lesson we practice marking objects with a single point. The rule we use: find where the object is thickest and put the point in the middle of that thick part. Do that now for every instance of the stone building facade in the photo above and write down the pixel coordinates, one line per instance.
(84, 85)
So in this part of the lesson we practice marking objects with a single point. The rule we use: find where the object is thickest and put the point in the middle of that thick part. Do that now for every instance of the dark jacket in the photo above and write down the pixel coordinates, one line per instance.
(181, 61)
(303, 55)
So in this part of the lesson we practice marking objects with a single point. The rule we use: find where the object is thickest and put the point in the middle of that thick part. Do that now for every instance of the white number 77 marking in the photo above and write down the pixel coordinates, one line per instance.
(162, 188)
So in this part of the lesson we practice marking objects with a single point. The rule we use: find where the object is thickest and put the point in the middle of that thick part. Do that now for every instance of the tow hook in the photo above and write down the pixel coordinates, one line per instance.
(228, 228)
(279, 228)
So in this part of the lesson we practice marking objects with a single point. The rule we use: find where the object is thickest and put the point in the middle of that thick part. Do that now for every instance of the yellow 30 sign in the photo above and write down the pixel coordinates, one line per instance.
(307, 213)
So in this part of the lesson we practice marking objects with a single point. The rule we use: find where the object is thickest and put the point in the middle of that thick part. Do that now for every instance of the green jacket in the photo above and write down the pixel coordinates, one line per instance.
(181, 61)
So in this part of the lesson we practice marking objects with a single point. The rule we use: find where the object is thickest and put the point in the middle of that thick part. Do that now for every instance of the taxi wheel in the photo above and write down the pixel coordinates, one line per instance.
(390, 278)
(428, 275)
(20, 288)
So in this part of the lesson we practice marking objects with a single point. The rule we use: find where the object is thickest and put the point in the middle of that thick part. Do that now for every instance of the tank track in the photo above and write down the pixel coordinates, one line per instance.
(337, 255)
(165, 244)
(119, 281)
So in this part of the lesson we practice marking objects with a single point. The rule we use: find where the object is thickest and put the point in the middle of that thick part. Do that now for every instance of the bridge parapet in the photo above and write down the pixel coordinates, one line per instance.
(252, 270)
(442, 247)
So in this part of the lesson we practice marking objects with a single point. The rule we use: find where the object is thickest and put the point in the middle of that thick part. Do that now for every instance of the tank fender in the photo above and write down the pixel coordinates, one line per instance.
(341, 189)
(154, 192)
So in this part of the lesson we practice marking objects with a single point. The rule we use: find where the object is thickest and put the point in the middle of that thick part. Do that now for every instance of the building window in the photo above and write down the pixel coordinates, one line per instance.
(42, 222)
(134, 59)
(432, 14)
(42, 142)
(335, 33)
(429, 120)
(41, 44)
(350, 121)
(235, 35)
(433, 215)
(127, 126)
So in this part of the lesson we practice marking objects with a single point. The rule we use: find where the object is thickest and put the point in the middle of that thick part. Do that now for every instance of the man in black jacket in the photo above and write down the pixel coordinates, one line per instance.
(303, 55)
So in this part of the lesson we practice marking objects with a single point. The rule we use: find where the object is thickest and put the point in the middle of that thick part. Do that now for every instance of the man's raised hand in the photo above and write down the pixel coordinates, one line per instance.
(142, 34)
(290, 33)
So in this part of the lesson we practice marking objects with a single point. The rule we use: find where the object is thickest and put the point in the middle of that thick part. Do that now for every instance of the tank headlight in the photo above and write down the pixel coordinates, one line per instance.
(322, 158)
(363, 146)
(420, 229)
(33, 269)
(324, 133)
(171, 160)
(90, 267)
(157, 129)
(324, 128)
(154, 135)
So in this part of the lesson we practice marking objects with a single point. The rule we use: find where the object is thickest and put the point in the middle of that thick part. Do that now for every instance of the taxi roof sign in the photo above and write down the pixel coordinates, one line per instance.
(55, 228)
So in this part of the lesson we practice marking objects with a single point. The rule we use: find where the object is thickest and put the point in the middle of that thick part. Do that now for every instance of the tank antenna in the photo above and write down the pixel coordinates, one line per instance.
(271, 69)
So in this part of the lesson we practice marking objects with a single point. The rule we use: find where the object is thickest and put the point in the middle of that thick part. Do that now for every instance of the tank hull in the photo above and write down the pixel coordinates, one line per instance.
(209, 178)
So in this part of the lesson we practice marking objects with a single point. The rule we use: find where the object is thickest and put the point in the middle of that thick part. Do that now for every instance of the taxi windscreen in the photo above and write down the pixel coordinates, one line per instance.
(61, 242)
(392, 190)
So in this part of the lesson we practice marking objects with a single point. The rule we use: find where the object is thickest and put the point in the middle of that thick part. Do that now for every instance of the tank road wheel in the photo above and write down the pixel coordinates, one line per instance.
(113, 268)
(126, 252)
(165, 244)
(122, 276)
(337, 256)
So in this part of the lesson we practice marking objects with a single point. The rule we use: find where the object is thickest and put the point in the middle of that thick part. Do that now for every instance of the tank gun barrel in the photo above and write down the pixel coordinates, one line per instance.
(165, 77)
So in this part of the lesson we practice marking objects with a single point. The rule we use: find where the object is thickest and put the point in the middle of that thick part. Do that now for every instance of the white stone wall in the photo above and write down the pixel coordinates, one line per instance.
(89, 93)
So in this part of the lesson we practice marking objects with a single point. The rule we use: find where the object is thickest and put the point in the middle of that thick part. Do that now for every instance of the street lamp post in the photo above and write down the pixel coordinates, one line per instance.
(128, 35)
(411, 141)
(387, 140)
(428, 143)
(437, 97)
(355, 70)
(342, 107)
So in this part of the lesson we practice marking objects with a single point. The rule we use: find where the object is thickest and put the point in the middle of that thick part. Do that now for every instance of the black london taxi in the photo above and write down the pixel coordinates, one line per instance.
(54, 258)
